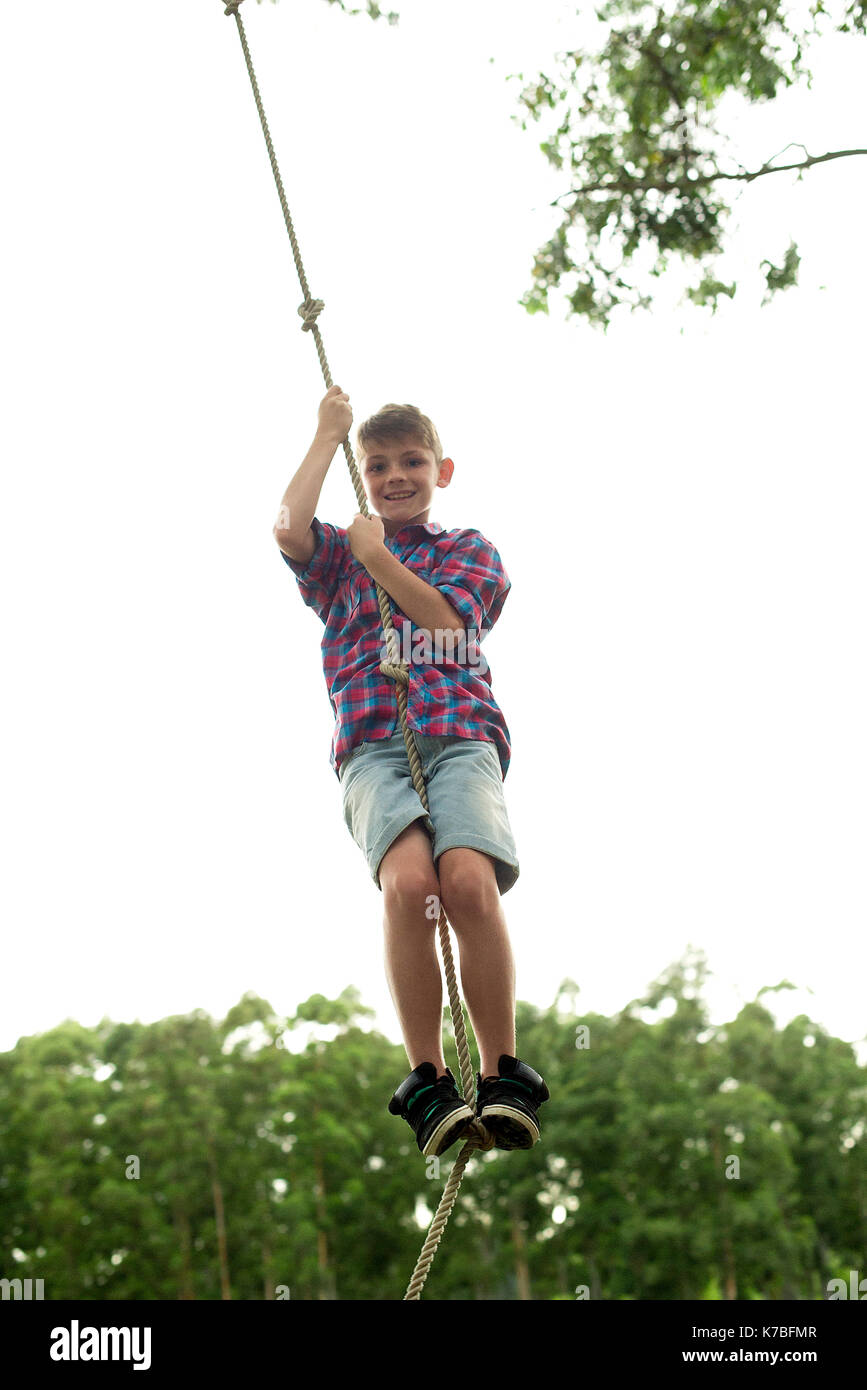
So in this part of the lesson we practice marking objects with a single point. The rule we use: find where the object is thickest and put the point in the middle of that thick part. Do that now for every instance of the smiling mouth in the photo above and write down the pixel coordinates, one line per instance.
(398, 496)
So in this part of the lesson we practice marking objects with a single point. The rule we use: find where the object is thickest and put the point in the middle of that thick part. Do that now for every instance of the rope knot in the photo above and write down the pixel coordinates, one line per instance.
(480, 1136)
(232, 6)
(398, 670)
(310, 309)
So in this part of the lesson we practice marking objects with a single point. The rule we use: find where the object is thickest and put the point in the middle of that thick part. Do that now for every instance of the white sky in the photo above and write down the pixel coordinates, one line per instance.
(680, 507)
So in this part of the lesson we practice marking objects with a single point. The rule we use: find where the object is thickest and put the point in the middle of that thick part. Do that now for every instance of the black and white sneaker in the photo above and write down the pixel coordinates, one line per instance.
(432, 1108)
(507, 1105)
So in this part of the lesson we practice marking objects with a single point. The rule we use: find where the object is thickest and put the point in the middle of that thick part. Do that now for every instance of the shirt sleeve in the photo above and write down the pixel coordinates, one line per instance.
(474, 581)
(319, 577)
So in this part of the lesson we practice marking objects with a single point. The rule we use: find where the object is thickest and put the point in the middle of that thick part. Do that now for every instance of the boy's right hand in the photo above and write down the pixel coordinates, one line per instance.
(335, 416)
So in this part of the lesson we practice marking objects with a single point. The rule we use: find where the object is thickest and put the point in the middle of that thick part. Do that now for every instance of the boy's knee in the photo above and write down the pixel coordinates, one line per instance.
(412, 891)
(468, 882)
(408, 878)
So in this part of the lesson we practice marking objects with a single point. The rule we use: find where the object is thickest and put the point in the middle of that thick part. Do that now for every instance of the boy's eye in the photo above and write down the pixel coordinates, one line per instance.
(378, 467)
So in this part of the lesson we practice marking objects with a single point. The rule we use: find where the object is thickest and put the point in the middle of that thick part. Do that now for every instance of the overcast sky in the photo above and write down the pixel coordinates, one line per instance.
(680, 507)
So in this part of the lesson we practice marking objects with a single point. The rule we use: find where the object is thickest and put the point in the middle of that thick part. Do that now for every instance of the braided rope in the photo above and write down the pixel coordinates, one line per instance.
(479, 1137)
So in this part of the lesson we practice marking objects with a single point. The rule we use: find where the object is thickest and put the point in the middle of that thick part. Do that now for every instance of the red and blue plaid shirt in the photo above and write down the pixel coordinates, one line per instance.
(449, 692)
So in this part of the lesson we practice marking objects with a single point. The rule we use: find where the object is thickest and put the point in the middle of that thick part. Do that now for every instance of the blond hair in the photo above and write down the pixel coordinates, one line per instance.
(397, 422)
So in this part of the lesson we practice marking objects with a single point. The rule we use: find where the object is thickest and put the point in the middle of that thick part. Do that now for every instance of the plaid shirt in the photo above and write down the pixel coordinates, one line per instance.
(449, 692)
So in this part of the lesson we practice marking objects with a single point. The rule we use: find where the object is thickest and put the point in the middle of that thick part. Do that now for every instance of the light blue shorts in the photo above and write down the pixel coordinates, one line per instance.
(464, 783)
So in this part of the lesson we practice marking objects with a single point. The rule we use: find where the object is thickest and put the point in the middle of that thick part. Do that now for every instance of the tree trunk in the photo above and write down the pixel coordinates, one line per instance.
(327, 1285)
(483, 1281)
(730, 1283)
(222, 1251)
(326, 1280)
(182, 1226)
(522, 1272)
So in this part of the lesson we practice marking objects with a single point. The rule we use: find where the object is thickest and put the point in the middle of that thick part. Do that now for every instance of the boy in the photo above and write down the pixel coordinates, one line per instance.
(446, 587)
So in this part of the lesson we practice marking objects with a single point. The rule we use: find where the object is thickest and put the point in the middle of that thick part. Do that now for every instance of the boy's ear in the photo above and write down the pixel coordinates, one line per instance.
(447, 468)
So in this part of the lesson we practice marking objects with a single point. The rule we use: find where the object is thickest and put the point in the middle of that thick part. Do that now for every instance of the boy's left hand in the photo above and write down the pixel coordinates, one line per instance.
(366, 537)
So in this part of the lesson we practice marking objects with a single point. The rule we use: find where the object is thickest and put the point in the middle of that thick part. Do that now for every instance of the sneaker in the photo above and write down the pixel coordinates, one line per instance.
(433, 1108)
(507, 1105)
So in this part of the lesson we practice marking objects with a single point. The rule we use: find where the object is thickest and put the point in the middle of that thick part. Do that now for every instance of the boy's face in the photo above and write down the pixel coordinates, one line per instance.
(400, 476)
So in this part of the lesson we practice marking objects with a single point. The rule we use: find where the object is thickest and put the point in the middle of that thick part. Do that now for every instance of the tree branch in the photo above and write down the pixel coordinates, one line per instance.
(649, 185)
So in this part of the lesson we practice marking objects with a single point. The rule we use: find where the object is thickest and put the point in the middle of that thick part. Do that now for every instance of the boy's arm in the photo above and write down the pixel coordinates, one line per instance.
(470, 589)
(420, 601)
(292, 530)
(471, 577)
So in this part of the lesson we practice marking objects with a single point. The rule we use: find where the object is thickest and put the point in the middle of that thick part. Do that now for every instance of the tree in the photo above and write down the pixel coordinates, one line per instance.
(254, 1158)
(636, 128)
(636, 125)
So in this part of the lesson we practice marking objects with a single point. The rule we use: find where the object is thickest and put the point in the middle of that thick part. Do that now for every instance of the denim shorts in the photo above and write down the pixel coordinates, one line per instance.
(464, 784)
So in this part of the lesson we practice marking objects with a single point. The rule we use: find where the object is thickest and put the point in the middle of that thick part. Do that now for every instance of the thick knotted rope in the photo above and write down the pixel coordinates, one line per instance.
(479, 1137)
(311, 308)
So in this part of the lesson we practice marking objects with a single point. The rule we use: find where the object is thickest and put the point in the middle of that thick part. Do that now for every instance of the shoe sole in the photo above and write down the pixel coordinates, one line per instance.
(447, 1131)
(516, 1129)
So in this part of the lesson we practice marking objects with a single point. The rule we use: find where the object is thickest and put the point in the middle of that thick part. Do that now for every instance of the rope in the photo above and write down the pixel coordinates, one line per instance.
(398, 671)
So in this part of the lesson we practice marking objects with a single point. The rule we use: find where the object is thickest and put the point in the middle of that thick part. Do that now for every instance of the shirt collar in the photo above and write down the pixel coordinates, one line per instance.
(433, 528)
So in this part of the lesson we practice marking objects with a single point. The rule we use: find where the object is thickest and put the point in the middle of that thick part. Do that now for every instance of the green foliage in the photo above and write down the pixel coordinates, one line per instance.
(635, 128)
(781, 277)
(344, 1010)
(266, 1157)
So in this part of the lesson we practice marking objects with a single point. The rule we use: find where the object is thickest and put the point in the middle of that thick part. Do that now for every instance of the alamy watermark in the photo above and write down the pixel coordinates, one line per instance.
(856, 1288)
(423, 646)
(22, 1288)
(76, 1343)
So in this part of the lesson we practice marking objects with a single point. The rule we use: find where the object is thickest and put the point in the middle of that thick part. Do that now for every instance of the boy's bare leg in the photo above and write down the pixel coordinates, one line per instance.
(408, 878)
(471, 899)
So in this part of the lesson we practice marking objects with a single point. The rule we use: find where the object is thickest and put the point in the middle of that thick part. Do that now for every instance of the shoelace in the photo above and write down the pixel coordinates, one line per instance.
(509, 1081)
